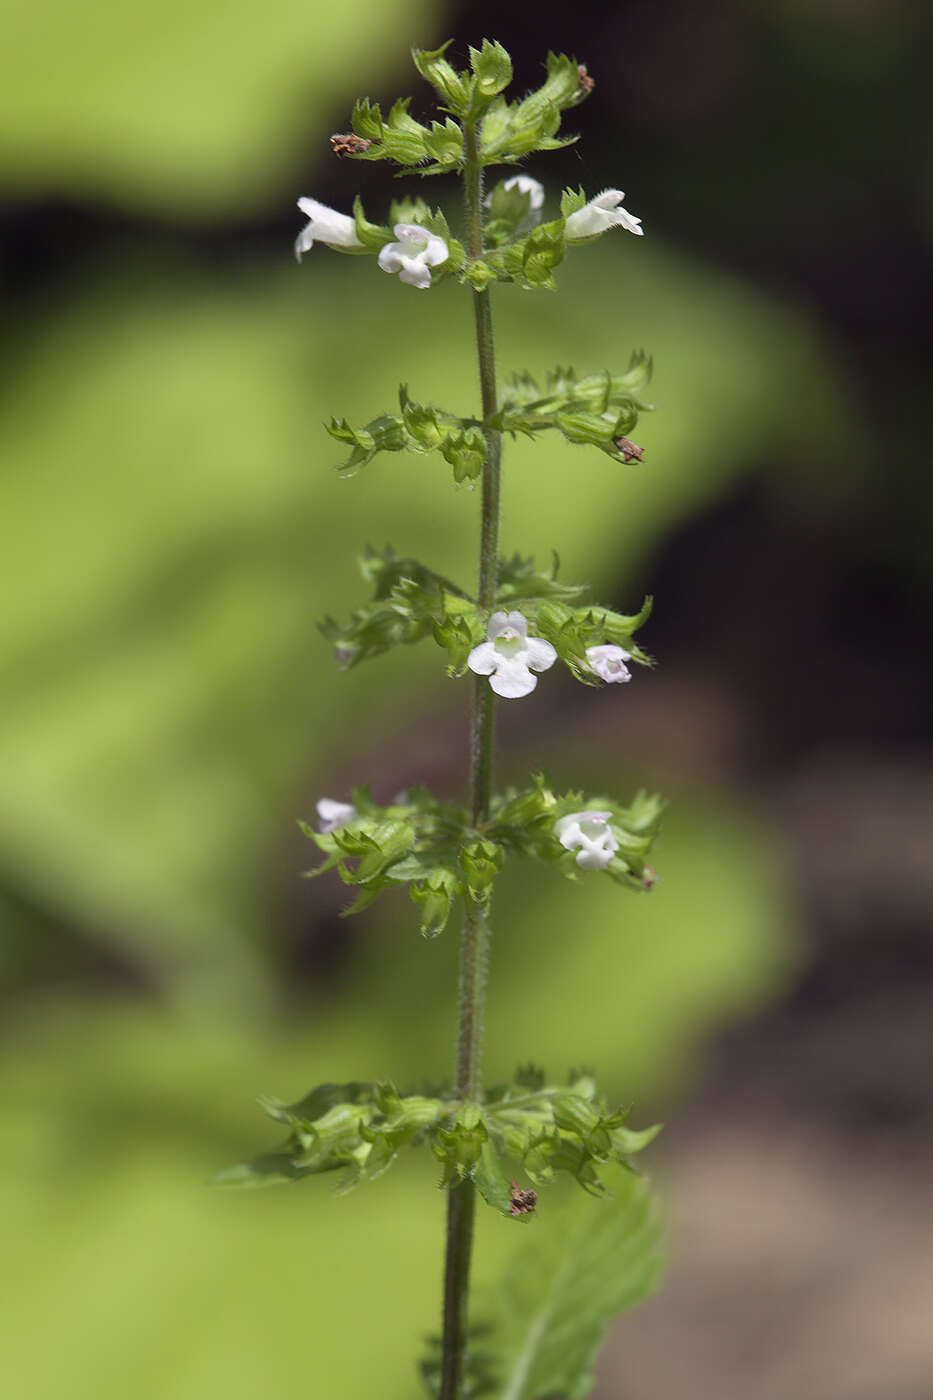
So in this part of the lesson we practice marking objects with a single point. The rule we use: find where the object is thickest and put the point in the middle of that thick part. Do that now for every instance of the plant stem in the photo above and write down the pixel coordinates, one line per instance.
(474, 945)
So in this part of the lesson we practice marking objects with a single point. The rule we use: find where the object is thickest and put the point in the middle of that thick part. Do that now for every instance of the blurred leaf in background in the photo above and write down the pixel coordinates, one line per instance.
(178, 108)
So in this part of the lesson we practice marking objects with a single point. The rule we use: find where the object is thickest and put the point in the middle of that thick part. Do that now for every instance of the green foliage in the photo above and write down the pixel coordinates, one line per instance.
(513, 130)
(353, 1128)
(415, 841)
(418, 428)
(529, 262)
(358, 1129)
(373, 237)
(510, 130)
(398, 137)
(432, 847)
(409, 602)
(599, 410)
(552, 1129)
(572, 630)
(562, 1290)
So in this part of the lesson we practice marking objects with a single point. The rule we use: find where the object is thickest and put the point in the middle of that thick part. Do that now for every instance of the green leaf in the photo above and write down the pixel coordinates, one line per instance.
(492, 68)
(598, 409)
(493, 1184)
(455, 89)
(399, 138)
(519, 580)
(532, 124)
(561, 1293)
(435, 894)
(481, 862)
(445, 144)
(372, 236)
(272, 1169)
(409, 602)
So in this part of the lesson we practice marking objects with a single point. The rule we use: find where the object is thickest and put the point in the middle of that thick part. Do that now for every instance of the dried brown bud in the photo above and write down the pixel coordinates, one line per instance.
(346, 143)
(649, 877)
(521, 1202)
(586, 82)
(631, 452)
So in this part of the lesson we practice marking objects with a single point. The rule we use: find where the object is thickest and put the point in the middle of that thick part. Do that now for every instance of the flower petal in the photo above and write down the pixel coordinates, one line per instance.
(390, 259)
(483, 659)
(305, 241)
(414, 273)
(526, 184)
(539, 654)
(594, 858)
(513, 680)
(334, 815)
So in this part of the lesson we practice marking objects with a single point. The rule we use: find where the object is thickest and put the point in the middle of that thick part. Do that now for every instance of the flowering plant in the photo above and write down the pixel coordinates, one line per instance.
(514, 627)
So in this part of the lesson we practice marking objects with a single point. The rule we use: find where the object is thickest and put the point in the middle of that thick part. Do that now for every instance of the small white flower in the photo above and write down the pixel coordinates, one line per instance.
(525, 184)
(510, 655)
(413, 256)
(602, 213)
(609, 663)
(333, 815)
(590, 835)
(325, 226)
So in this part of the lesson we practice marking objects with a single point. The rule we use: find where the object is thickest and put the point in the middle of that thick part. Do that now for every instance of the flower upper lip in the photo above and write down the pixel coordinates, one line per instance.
(603, 212)
(325, 225)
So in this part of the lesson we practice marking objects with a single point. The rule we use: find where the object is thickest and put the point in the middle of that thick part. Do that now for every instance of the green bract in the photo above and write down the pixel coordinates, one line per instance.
(357, 1129)
(510, 130)
(597, 411)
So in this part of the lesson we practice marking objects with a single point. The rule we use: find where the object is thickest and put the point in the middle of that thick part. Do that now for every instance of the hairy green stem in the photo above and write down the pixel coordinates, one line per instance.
(474, 946)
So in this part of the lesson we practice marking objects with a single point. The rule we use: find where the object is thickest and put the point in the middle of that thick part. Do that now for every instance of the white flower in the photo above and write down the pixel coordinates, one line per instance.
(602, 213)
(525, 184)
(325, 226)
(333, 815)
(413, 256)
(609, 663)
(510, 655)
(590, 835)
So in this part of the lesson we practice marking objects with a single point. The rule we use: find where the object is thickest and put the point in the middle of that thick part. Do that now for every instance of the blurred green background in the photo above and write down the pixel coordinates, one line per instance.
(173, 530)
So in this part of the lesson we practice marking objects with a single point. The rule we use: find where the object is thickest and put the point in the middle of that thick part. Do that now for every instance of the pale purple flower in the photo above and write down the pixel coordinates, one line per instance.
(601, 214)
(333, 815)
(509, 656)
(413, 256)
(589, 834)
(325, 225)
(608, 662)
